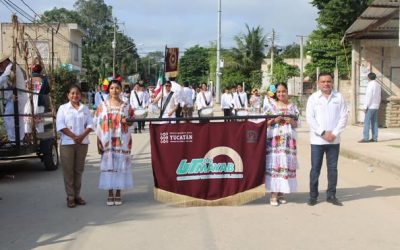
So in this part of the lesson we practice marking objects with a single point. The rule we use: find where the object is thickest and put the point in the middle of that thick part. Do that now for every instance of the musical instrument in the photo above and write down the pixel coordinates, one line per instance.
(206, 112)
(242, 112)
(140, 113)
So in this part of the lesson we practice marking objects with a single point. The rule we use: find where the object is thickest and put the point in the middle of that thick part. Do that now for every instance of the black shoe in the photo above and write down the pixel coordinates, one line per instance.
(363, 141)
(334, 201)
(372, 140)
(312, 202)
(135, 131)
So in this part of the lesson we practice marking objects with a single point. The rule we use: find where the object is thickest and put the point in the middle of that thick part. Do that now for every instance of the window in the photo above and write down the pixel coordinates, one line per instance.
(75, 52)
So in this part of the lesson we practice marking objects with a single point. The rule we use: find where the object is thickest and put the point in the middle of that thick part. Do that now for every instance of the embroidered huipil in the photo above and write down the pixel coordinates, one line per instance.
(281, 158)
(116, 144)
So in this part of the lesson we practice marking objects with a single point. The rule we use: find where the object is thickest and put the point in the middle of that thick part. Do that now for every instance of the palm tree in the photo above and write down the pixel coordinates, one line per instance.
(249, 55)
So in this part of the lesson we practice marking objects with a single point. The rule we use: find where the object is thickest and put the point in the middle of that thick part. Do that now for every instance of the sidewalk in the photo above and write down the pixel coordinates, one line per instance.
(382, 154)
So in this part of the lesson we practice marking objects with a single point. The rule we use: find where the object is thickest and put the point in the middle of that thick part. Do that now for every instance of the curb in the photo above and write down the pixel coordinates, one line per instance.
(393, 168)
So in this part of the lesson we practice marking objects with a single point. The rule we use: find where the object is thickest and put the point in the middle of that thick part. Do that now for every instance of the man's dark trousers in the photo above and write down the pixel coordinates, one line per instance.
(317, 155)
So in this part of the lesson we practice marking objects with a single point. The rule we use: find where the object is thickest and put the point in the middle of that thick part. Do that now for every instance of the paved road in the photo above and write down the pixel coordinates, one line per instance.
(34, 215)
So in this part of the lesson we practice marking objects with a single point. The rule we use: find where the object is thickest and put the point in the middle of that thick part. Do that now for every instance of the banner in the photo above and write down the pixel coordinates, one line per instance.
(208, 164)
(171, 59)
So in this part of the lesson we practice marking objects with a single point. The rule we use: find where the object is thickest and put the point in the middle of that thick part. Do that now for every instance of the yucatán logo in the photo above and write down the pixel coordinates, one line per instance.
(164, 137)
(176, 137)
(205, 168)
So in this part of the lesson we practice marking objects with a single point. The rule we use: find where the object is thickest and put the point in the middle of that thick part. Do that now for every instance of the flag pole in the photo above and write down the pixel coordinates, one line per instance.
(162, 80)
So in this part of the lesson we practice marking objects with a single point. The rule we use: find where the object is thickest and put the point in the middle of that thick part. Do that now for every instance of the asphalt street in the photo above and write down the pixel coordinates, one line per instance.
(34, 215)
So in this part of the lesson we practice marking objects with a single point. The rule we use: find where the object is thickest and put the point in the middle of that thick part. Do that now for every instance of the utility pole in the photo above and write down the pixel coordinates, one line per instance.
(272, 52)
(114, 45)
(218, 76)
(301, 64)
(148, 65)
(52, 51)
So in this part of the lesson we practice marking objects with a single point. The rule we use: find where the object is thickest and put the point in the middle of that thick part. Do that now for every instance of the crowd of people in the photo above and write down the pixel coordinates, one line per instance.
(326, 114)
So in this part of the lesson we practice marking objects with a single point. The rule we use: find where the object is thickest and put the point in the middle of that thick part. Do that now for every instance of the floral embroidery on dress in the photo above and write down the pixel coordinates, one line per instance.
(281, 157)
(116, 143)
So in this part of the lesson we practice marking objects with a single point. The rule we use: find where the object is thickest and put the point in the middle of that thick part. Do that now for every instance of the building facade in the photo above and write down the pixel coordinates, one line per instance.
(375, 48)
(65, 40)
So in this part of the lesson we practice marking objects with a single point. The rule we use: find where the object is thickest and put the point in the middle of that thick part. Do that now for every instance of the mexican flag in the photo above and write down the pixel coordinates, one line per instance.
(160, 82)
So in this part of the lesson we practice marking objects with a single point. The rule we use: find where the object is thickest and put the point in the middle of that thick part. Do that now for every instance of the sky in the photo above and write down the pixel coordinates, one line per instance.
(186, 23)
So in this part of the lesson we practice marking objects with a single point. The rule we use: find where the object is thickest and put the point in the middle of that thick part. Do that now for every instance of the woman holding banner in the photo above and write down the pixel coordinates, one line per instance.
(114, 143)
(281, 159)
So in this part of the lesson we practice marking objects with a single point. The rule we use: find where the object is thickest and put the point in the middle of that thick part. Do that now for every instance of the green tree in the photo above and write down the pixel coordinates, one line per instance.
(150, 66)
(194, 65)
(291, 51)
(61, 15)
(64, 79)
(243, 63)
(283, 71)
(249, 53)
(325, 47)
(95, 17)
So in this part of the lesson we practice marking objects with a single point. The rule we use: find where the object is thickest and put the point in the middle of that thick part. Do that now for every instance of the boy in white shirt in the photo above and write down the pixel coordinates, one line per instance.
(227, 103)
(240, 99)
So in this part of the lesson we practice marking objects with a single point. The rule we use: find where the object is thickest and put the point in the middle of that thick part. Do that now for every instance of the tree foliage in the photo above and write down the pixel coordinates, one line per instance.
(283, 71)
(243, 63)
(61, 15)
(64, 79)
(194, 65)
(249, 53)
(96, 19)
(325, 47)
(291, 51)
(150, 67)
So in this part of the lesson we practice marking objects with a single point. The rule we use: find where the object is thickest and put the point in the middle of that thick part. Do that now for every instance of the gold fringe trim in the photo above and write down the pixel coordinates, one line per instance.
(187, 201)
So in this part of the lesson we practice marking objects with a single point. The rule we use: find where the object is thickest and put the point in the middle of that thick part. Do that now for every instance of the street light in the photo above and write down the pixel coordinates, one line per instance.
(301, 64)
(218, 73)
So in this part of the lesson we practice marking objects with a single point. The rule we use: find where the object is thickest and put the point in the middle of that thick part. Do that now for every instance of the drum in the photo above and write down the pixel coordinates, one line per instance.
(140, 113)
(206, 112)
(242, 112)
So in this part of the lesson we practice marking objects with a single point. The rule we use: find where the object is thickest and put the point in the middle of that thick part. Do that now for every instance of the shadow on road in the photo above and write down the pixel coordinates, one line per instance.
(343, 194)
(33, 211)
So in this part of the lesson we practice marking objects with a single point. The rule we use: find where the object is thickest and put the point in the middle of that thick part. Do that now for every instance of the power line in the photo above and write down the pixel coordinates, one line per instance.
(32, 19)
(6, 6)
(36, 14)
(14, 11)
(19, 10)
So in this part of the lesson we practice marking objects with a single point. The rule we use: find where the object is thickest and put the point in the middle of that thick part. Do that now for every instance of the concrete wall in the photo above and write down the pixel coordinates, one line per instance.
(383, 58)
(69, 38)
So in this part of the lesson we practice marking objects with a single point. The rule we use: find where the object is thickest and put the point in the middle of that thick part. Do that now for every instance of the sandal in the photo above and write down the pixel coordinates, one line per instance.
(274, 202)
(71, 202)
(118, 201)
(282, 199)
(80, 201)
(110, 201)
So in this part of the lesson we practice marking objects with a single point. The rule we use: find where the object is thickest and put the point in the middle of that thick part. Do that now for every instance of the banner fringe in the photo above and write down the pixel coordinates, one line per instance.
(187, 201)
